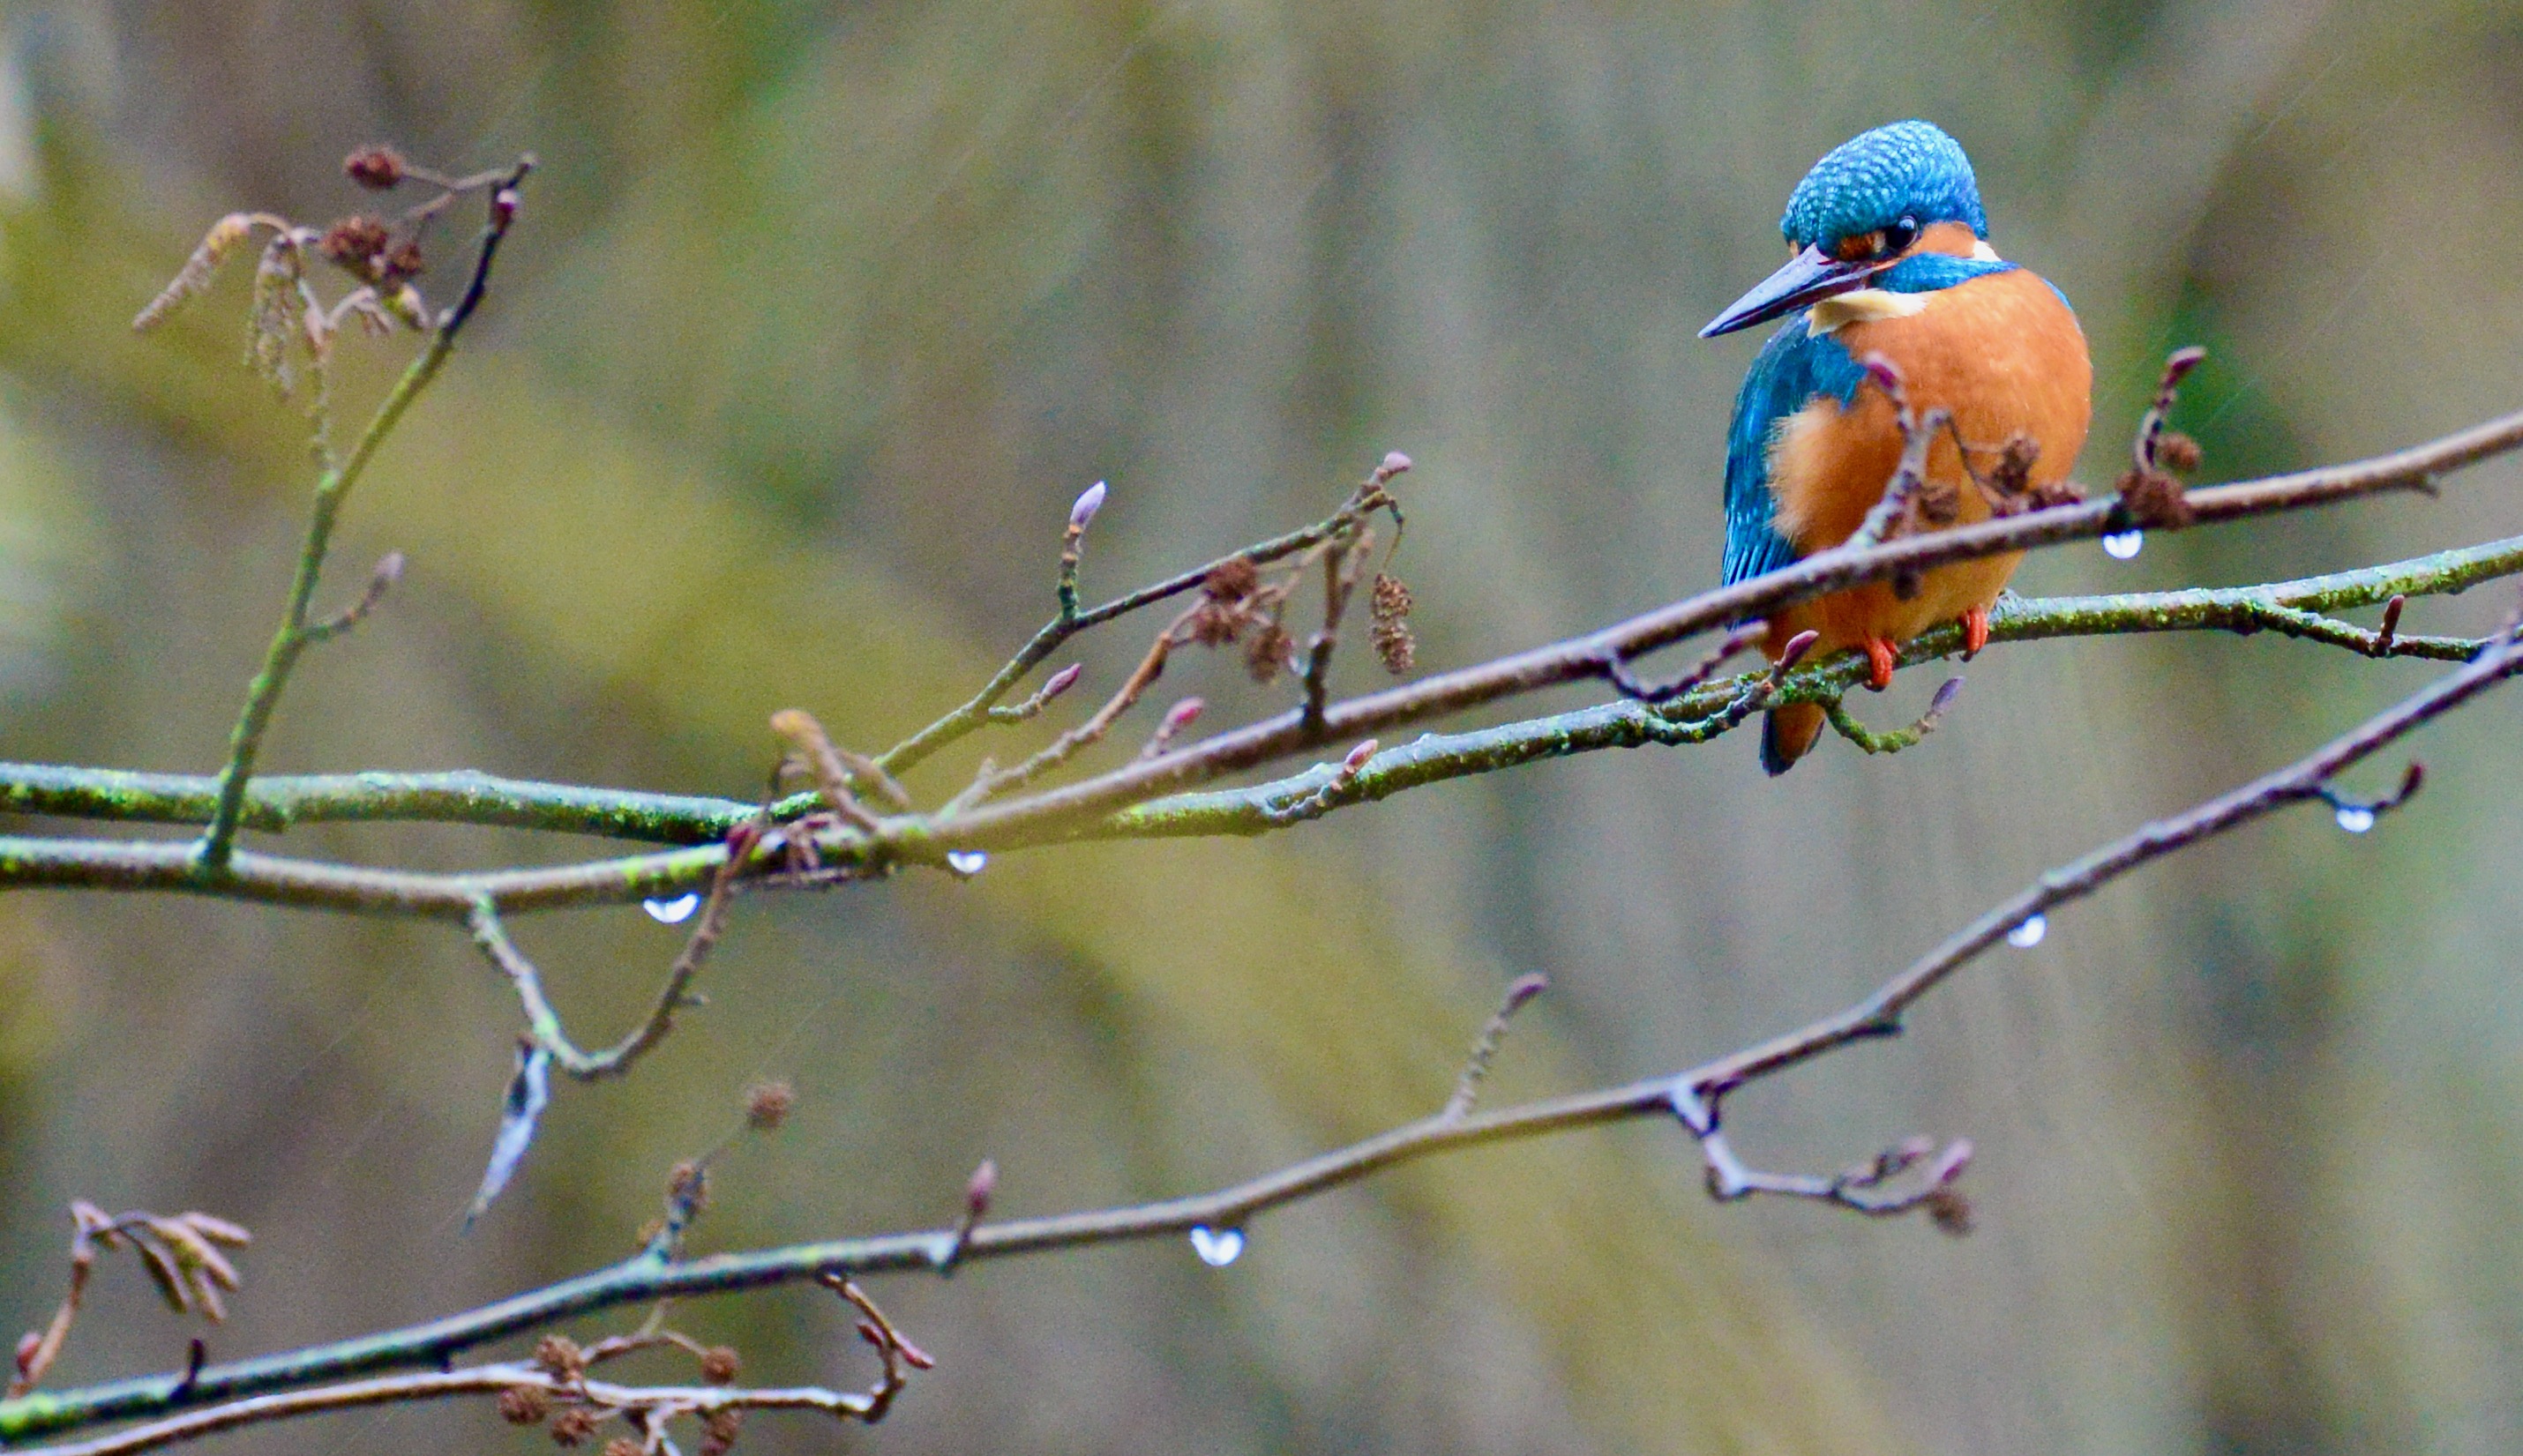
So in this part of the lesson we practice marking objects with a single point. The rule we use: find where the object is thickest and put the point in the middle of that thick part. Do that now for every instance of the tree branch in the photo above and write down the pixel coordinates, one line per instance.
(468, 797)
(1693, 1097)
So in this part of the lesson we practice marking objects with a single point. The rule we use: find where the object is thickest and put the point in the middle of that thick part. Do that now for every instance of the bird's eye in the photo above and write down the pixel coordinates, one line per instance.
(1899, 236)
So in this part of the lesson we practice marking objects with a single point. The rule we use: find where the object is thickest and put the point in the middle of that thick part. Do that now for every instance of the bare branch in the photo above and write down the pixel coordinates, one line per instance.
(1692, 1096)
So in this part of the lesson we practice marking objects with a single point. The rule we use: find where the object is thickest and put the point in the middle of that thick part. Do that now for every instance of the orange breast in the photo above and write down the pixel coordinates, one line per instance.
(2004, 356)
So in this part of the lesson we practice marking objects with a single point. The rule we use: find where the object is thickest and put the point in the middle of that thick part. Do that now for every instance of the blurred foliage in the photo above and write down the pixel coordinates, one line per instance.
(819, 318)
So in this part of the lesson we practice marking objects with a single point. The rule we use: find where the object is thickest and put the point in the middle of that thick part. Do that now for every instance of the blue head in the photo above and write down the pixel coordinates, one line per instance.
(1873, 181)
(1859, 212)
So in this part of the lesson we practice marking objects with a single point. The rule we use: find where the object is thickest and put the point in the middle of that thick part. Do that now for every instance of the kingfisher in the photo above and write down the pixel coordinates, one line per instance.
(1890, 257)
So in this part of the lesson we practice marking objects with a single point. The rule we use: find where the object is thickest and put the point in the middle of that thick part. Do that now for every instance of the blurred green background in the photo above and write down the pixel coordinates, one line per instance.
(818, 318)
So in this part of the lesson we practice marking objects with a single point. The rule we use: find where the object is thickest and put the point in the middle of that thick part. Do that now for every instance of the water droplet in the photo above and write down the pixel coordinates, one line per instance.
(2028, 931)
(2356, 818)
(966, 861)
(1216, 1248)
(2121, 545)
(672, 911)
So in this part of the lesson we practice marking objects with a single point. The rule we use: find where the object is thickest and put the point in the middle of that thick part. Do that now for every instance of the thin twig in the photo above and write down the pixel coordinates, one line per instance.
(833, 774)
(1910, 475)
(389, 570)
(1898, 739)
(1342, 565)
(217, 844)
(1618, 672)
(1485, 1047)
(994, 781)
(544, 1022)
(978, 710)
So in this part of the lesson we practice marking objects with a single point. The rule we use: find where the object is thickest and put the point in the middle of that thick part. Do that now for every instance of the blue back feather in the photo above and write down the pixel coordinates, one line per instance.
(1794, 369)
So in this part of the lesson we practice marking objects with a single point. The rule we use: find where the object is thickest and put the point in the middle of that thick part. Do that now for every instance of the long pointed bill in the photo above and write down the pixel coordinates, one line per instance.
(1808, 278)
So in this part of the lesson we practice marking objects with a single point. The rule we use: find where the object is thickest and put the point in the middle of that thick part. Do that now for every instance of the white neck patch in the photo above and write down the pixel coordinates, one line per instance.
(1863, 306)
(1982, 252)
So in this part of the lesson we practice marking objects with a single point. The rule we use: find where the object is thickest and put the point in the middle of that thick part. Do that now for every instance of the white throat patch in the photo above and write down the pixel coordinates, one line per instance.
(1863, 306)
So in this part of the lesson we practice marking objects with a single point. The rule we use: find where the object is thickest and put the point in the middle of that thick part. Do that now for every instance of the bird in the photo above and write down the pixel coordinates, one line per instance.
(1890, 260)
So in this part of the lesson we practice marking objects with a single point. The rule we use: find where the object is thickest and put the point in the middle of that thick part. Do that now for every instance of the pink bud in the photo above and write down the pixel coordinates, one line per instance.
(1089, 503)
(1357, 757)
(976, 1193)
(1063, 681)
(1526, 987)
(1182, 715)
(1395, 462)
(504, 207)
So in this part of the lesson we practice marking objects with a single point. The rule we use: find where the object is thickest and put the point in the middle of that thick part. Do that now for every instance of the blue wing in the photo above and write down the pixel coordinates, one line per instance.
(1793, 369)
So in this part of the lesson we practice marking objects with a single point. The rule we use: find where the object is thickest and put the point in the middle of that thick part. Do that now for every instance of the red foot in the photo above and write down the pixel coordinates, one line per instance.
(1878, 664)
(1975, 632)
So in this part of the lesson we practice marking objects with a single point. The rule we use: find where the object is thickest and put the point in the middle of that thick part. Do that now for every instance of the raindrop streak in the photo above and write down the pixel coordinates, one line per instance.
(1216, 1248)
(2356, 818)
(966, 861)
(2121, 545)
(2028, 933)
(672, 911)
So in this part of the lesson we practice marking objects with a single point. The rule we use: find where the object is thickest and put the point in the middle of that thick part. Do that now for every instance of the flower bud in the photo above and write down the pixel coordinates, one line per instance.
(1089, 503)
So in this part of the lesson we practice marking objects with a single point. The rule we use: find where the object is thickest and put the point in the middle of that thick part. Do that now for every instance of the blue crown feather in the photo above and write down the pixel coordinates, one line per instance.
(1872, 181)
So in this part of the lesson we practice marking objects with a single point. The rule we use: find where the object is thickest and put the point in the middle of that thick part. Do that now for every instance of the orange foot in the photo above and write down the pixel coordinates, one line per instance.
(1975, 632)
(1878, 664)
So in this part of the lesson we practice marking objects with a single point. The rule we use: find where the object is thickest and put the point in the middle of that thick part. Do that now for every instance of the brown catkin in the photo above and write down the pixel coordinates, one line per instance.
(1389, 625)
(767, 1106)
(376, 167)
(524, 1405)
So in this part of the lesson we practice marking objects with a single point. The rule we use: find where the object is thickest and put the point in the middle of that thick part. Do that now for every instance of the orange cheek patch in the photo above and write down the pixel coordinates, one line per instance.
(1952, 239)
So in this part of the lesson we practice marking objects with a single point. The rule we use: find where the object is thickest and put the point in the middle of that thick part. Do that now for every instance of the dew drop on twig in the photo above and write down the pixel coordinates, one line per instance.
(1216, 1248)
(966, 861)
(2121, 545)
(2028, 932)
(672, 911)
(2356, 818)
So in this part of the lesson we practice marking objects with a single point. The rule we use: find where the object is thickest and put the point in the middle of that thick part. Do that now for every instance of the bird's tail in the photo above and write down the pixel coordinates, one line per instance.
(1787, 735)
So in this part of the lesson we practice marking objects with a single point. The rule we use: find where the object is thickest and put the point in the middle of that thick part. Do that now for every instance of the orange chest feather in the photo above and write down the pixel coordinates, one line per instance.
(2001, 353)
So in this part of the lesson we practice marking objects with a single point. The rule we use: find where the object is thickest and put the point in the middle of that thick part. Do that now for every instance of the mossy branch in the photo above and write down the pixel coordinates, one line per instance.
(1694, 1098)
(2295, 609)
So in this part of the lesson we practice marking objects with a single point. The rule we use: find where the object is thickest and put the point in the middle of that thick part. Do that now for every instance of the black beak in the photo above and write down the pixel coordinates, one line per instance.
(1808, 278)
